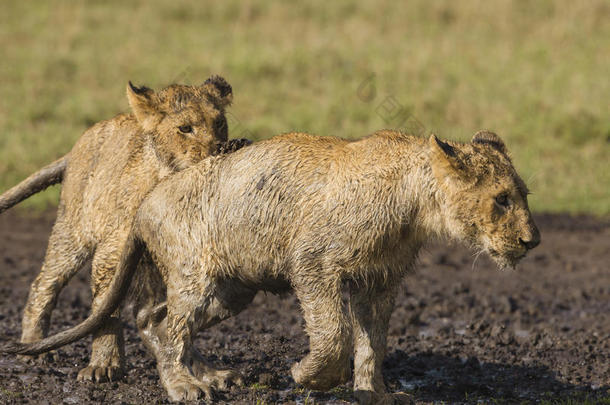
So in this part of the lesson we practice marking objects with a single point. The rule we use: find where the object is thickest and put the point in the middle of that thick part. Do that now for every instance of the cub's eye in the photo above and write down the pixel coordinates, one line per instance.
(185, 129)
(502, 200)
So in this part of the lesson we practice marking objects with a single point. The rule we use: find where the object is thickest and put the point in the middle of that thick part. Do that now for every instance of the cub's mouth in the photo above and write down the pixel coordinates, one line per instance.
(507, 259)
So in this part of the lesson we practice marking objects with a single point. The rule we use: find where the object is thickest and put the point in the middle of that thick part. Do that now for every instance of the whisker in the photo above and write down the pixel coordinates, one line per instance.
(532, 178)
(476, 257)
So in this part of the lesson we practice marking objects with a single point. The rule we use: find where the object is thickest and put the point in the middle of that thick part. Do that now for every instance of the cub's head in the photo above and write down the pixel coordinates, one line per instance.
(186, 122)
(484, 201)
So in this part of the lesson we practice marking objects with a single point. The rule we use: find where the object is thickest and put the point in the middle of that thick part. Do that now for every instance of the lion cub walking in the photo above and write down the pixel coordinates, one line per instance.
(109, 171)
(314, 214)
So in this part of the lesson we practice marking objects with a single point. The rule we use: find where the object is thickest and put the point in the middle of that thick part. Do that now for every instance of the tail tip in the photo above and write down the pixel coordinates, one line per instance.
(14, 348)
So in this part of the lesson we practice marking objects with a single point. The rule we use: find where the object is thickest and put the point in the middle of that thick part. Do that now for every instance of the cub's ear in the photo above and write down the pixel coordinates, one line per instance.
(219, 91)
(445, 160)
(143, 103)
(491, 139)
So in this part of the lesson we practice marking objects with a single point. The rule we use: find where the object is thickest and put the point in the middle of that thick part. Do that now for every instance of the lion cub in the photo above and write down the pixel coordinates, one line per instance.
(313, 214)
(109, 171)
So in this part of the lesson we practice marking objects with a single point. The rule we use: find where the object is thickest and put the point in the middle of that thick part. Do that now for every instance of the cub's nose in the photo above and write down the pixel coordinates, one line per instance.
(532, 241)
(530, 244)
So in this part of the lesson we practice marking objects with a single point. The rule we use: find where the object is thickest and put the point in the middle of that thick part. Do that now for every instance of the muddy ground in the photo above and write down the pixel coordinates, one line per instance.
(461, 333)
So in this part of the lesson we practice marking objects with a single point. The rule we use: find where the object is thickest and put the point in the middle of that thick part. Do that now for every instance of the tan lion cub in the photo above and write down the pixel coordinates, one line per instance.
(313, 214)
(105, 177)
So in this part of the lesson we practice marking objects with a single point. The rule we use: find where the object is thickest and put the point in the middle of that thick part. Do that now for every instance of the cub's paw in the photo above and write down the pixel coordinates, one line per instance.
(218, 379)
(223, 379)
(100, 374)
(320, 376)
(232, 145)
(182, 386)
(189, 391)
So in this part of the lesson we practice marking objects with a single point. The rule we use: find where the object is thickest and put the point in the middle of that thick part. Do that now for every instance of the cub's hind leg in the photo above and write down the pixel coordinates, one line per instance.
(150, 310)
(187, 300)
(66, 254)
(149, 305)
(230, 298)
(107, 361)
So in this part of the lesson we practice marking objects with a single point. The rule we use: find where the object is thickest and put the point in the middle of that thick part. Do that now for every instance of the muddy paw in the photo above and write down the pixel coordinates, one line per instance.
(189, 392)
(189, 389)
(223, 379)
(320, 377)
(219, 379)
(100, 374)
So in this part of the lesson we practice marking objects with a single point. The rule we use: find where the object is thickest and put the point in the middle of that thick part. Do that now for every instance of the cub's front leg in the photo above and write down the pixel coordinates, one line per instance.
(329, 330)
(370, 310)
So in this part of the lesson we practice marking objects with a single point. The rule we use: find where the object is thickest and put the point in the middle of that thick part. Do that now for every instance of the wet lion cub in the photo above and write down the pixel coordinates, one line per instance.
(104, 179)
(314, 214)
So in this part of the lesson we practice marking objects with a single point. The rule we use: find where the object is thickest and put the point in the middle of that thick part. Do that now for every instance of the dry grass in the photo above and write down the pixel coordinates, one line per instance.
(535, 72)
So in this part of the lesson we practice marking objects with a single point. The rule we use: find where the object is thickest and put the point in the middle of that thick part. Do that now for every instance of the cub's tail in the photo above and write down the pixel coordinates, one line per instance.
(113, 297)
(231, 145)
(43, 178)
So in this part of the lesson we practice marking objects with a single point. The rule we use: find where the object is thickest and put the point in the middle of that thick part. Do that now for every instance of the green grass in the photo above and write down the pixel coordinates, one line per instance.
(259, 387)
(535, 72)
(577, 401)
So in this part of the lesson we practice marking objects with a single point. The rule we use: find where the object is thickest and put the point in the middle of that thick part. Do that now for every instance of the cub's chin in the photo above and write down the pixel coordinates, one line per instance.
(506, 260)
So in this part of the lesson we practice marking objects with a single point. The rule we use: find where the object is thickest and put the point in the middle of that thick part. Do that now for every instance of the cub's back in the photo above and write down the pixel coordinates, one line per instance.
(101, 174)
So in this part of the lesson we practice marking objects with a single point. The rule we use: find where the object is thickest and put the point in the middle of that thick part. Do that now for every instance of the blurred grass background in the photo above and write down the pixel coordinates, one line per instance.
(537, 73)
